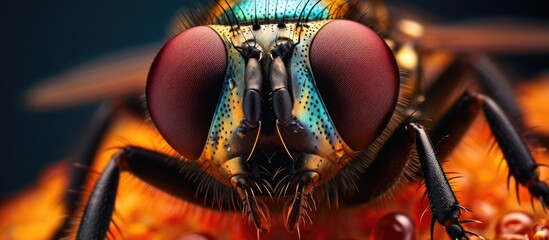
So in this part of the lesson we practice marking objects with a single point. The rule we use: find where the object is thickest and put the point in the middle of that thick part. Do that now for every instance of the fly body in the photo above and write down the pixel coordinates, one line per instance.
(280, 109)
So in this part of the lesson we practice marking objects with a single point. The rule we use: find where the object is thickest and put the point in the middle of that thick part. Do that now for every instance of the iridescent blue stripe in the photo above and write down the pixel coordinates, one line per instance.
(265, 10)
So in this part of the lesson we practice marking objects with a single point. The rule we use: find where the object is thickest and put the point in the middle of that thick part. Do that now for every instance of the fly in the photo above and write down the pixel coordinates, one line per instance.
(273, 107)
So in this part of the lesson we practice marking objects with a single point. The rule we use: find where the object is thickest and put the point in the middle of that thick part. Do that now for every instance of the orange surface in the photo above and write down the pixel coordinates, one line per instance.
(145, 213)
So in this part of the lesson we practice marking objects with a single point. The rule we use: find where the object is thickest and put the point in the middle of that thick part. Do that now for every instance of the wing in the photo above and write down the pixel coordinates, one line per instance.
(116, 75)
(488, 35)
(491, 36)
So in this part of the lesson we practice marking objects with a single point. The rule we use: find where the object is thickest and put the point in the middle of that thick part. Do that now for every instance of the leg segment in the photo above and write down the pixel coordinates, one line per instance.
(455, 80)
(172, 175)
(522, 165)
(98, 213)
(444, 205)
(87, 152)
(497, 86)
(84, 156)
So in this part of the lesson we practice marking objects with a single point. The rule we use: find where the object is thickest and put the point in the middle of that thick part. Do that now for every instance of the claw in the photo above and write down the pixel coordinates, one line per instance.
(474, 234)
(456, 231)
(465, 209)
(469, 221)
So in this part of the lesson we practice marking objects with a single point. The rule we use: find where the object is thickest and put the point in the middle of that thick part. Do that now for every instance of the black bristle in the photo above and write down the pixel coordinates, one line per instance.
(299, 23)
(255, 17)
(207, 16)
(284, 15)
(266, 11)
(225, 14)
(234, 15)
(275, 16)
(311, 10)
(243, 14)
(296, 9)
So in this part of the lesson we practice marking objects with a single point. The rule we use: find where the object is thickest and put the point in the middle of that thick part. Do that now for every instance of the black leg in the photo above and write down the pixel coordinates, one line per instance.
(393, 164)
(447, 89)
(522, 166)
(444, 205)
(180, 178)
(498, 87)
(98, 211)
(84, 156)
(455, 81)
(87, 152)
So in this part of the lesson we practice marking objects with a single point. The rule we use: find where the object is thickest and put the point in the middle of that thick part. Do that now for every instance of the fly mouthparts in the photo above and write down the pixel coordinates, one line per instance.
(297, 208)
(254, 208)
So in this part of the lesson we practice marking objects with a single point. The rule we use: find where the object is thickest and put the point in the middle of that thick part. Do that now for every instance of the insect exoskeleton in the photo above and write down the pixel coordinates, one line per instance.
(300, 99)
(309, 102)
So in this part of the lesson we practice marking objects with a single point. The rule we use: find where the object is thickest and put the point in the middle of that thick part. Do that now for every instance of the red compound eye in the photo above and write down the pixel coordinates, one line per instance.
(357, 77)
(183, 88)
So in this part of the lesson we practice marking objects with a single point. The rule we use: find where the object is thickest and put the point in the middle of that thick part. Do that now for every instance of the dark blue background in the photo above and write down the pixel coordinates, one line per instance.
(42, 38)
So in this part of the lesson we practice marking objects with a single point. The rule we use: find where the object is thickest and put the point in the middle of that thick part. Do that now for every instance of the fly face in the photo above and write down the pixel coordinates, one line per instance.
(309, 96)
(284, 100)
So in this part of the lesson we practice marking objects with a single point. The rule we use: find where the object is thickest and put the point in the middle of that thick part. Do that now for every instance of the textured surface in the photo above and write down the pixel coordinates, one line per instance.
(183, 88)
(358, 80)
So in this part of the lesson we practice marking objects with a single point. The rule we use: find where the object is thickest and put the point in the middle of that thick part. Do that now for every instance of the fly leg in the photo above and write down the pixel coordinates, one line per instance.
(172, 175)
(444, 205)
(459, 76)
(522, 166)
(98, 211)
(498, 86)
(84, 157)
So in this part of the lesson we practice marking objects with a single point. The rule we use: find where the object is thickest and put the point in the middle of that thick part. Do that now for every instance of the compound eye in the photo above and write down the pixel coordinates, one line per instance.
(183, 88)
(357, 77)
